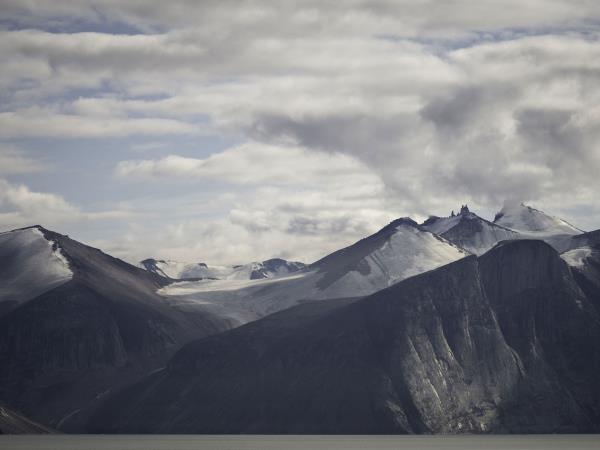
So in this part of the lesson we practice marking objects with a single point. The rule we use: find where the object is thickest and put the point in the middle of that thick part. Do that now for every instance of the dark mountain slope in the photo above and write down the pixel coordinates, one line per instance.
(583, 254)
(63, 350)
(425, 355)
(507, 343)
(555, 330)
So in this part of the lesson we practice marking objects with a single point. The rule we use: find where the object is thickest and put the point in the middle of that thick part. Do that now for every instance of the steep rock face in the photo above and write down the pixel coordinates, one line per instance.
(506, 343)
(583, 256)
(65, 348)
(555, 330)
(425, 355)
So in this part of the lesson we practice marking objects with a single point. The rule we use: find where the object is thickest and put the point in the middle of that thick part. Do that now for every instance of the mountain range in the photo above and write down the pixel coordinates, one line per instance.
(457, 324)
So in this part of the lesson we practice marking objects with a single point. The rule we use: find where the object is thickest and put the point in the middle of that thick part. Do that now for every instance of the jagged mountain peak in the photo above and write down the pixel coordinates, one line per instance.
(468, 230)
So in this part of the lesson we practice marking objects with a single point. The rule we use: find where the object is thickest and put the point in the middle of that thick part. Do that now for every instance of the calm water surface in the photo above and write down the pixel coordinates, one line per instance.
(562, 442)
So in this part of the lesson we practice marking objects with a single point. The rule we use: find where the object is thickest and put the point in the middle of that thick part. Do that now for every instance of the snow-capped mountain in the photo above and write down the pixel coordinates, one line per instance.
(75, 317)
(31, 265)
(469, 231)
(177, 270)
(503, 343)
(398, 251)
(532, 223)
(528, 220)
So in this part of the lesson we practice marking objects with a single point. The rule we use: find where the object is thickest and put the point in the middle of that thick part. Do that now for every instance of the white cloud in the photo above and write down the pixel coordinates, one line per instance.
(413, 107)
(257, 164)
(20, 206)
(44, 123)
(288, 222)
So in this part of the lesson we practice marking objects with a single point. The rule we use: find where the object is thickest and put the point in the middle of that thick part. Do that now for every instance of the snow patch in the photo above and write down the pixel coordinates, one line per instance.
(31, 265)
(577, 256)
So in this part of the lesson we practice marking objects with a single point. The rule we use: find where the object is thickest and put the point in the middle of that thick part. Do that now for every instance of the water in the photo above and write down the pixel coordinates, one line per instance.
(190, 442)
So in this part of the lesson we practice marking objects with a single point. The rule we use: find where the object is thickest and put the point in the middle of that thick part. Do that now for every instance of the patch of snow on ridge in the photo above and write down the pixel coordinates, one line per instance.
(577, 256)
(31, 265)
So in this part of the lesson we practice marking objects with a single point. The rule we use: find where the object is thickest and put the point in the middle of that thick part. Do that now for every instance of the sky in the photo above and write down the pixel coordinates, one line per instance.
(228, 132)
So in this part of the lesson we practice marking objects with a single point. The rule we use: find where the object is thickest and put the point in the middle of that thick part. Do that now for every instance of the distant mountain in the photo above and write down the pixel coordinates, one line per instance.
(78, 323)
(504, 343)
(270, 268)
(523, 218)
(398, 251)
(469, 231)
(535, 224)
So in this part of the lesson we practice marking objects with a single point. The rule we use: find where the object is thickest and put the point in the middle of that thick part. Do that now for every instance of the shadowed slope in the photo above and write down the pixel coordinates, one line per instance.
(64, 349)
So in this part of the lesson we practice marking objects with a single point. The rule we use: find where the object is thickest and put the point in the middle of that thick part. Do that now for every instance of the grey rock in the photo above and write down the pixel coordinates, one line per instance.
(504, 343)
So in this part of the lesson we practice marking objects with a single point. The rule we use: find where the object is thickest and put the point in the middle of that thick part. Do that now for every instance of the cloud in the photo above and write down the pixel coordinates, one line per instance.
(14, 161)
(279, 221)
(256, 164)
(40, 123)
(408, 17)
(411, 107)
(20, 206)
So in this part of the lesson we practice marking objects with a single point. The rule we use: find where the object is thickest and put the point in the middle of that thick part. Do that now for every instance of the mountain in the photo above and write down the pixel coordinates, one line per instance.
(506, 343)
(526, 219)
(270, 268)
(398, 251)
(78, 323)
(31, 265)
(469, 231)
(534, 224)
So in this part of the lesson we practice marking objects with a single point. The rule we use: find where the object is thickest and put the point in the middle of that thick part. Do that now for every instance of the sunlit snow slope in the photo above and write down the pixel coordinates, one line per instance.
(526, 219)
(398, 251)
(30, 265)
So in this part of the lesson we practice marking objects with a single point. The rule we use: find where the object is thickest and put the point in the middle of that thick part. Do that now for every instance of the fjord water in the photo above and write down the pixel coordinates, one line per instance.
(190, 442)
